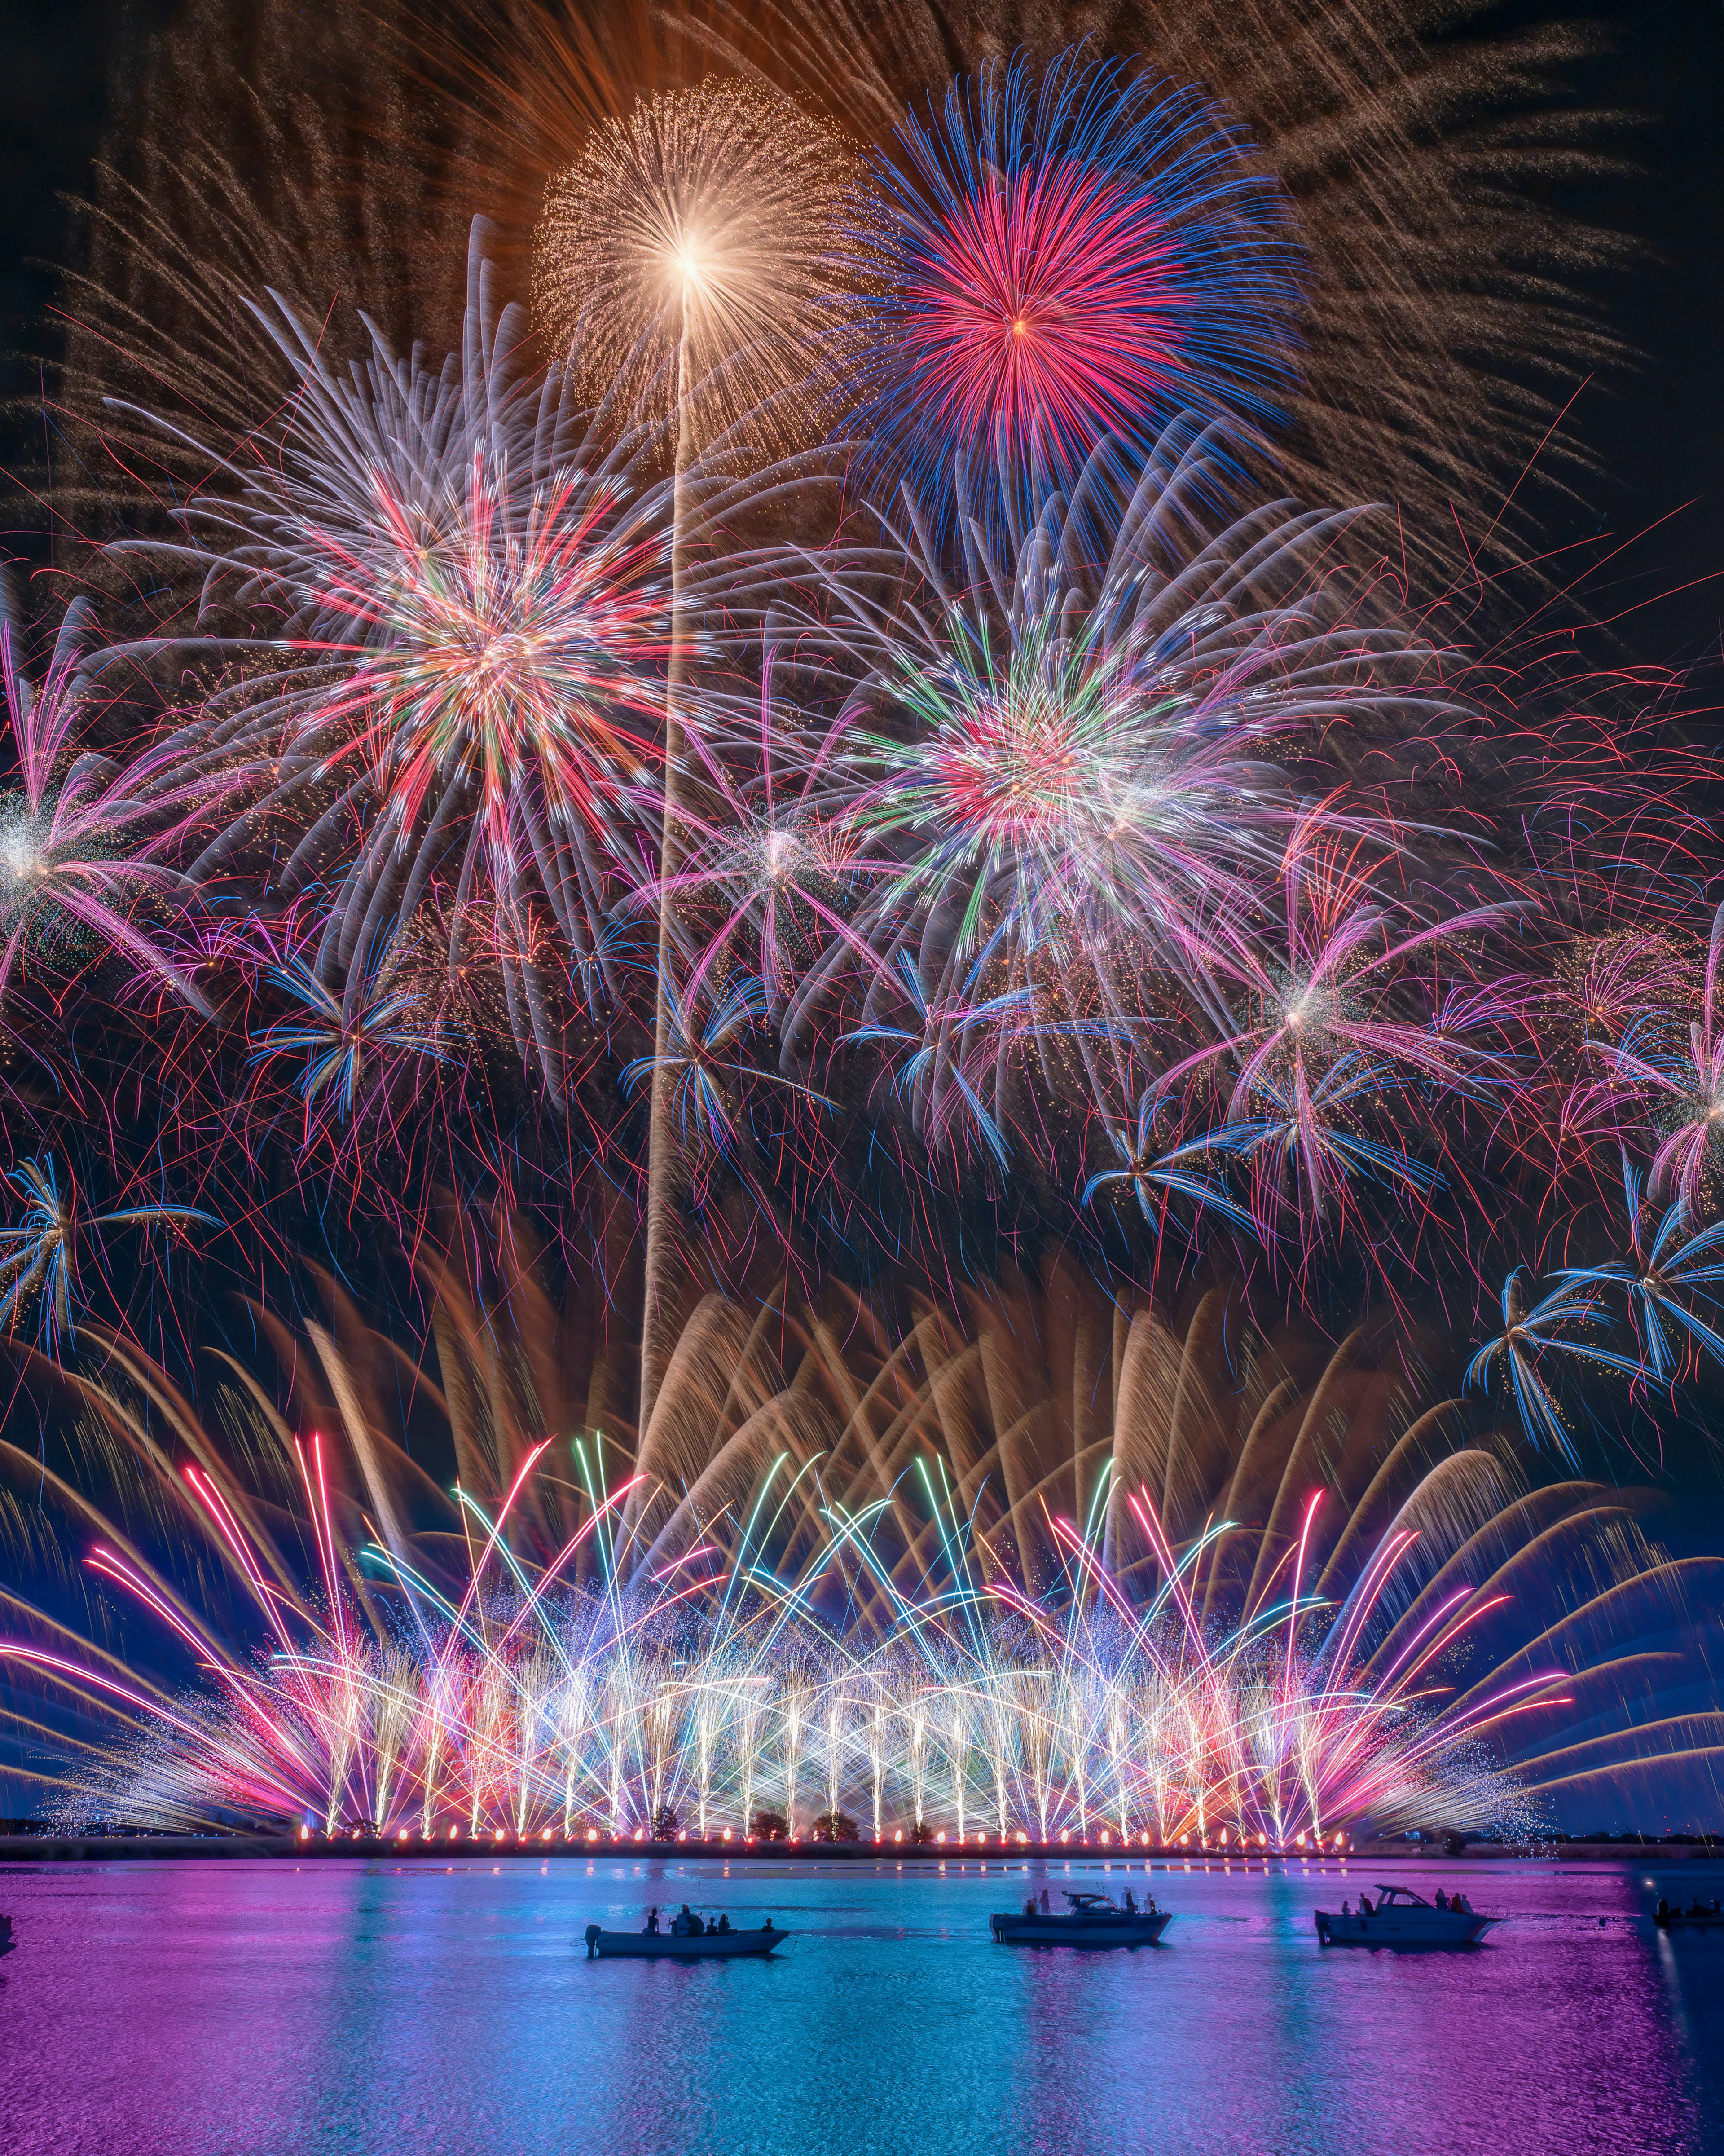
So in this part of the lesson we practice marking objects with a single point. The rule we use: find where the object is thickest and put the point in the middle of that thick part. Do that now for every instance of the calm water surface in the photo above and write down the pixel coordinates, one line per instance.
(361, 2008)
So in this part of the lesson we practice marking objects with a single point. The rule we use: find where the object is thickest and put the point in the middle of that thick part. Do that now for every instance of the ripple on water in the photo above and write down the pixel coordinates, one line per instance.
(291, 2009)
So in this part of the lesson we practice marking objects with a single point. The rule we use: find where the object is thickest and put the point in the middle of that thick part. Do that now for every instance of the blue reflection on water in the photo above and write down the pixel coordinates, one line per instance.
(355, 2008)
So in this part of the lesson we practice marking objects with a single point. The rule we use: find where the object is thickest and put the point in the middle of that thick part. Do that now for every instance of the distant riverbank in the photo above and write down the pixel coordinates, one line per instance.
(107, 1849)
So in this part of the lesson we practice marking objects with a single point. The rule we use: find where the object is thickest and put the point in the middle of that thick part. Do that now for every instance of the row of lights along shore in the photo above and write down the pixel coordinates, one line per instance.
(1202, 1845)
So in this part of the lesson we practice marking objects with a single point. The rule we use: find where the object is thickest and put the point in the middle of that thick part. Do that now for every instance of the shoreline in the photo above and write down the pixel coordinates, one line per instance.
(162, 1848)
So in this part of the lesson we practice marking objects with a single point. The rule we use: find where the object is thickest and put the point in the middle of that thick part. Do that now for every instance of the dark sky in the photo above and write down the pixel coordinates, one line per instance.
(1657, 435)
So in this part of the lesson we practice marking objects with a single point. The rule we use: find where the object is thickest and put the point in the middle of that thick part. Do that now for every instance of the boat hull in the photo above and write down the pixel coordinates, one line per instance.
(1685, 1922)
(662, 1946)
(1052, 1931)
(1403, 1927)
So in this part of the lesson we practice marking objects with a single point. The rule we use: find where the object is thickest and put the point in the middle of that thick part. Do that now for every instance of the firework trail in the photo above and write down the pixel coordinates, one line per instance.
(1146, 1620)
(683, 260)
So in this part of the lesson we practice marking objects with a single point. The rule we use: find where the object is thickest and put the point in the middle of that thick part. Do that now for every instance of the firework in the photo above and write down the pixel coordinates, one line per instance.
(532, 1713)
(1671, 1265)
(1063, 260)
(1341, 1024)
(1151, 1623)
(470, 631)
(683, 260)
(1680, 1080)
(77, 864)
(39, 1257)
(1077, 764)
(1085, 726)
(344, 1044)
(1054, 840)
(770, 874)
(1150, 1178)
(706, 1062)
(462, 683)
(1535, 1333)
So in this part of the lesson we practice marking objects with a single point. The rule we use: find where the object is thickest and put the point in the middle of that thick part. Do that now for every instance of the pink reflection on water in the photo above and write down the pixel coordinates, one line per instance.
(265, 2009)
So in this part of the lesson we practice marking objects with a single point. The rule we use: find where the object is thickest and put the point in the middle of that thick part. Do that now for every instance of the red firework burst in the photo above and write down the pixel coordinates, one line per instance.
(1049, 304)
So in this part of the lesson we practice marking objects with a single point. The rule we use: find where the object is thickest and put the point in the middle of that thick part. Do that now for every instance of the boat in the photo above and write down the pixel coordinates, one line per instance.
(668, 1946)
(1687, 1920)
(1091, 1920)
(1402, 1918)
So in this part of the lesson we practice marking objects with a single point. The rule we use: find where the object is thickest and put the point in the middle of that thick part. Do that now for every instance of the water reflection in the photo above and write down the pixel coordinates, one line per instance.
(356, 2008)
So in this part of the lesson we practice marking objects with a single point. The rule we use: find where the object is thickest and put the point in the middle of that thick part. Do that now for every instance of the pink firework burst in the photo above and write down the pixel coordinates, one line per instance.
(1054, 306)
(1061, 257)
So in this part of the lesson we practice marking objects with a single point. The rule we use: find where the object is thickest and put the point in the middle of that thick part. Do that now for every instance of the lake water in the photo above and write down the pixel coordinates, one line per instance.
(291, 2009)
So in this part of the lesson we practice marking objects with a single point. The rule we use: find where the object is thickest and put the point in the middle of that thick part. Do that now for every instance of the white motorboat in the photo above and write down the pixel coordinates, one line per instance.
(1402, 1918)
(673, 1946)
(1091, 1920)
(1698, 1919)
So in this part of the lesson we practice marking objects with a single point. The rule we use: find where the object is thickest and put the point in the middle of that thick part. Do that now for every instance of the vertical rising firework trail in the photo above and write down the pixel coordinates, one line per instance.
(683, 260)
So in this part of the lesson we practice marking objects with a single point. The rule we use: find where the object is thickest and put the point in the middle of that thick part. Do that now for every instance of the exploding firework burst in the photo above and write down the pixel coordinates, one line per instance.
(1079, 764)
(1063, 259)
(78, 861)
(462, 690)
(39, 1257)
(1077, 854)
(683, 260)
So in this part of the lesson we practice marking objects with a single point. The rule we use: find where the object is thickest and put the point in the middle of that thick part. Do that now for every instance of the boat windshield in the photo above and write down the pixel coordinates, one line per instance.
(1100, 1903)
(1402, 1894)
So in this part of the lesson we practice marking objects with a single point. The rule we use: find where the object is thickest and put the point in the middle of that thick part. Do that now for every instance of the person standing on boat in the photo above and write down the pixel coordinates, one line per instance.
(1046, 1911)
(1131, 1903)
(1442, 1899)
